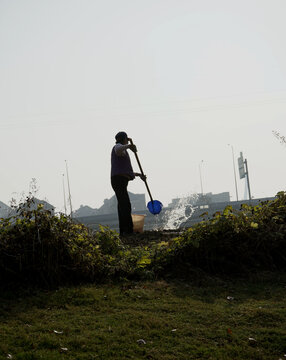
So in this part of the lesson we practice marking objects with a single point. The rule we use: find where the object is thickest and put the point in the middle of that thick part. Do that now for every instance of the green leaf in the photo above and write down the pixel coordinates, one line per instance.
(254, 225)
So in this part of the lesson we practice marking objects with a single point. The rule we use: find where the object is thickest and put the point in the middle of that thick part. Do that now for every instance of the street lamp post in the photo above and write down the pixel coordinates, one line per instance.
(65, 204)
(235, 182)
(69, 187)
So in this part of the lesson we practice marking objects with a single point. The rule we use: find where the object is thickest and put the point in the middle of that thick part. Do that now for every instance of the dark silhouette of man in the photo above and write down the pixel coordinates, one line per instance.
(121, 174)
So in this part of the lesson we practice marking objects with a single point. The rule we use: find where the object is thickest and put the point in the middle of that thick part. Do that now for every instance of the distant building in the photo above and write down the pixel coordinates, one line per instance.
(110, 206)
(201, 199)
(5, 210)
(85, 210)
(221, 197)
(210, 198)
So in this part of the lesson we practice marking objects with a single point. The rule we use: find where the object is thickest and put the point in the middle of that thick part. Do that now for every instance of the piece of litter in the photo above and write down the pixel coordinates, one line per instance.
(174, 330)
(252, 340)
(9, 356)
(64, 349)
(141, 342)
(230, 298)
(58, 332)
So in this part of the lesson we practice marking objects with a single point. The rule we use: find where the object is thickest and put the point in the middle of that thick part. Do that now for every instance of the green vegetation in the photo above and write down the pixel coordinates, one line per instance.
(217, 291)
(231, 243)
(37, 248)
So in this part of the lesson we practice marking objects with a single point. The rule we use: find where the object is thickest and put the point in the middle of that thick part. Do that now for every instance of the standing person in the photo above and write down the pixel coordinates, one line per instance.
(121, 174)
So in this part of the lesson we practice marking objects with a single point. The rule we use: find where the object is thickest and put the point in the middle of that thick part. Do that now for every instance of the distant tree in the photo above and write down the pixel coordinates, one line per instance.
(280, 137)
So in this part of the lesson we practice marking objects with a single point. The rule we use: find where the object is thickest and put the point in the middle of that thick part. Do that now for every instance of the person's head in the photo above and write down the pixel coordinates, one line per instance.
(121, 138)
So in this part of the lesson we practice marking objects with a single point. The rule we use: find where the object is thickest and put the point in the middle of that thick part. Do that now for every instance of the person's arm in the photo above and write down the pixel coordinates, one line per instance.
(119, 148)
(142, 177)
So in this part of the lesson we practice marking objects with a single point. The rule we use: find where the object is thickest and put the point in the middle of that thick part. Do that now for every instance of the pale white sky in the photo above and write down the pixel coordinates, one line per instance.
(182, 78)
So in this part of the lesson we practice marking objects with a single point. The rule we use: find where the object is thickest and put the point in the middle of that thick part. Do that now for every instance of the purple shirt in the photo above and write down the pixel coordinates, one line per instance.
(120, 162)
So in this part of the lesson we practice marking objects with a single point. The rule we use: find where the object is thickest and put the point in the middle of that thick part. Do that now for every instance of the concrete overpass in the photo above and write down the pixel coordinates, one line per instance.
(157, 222)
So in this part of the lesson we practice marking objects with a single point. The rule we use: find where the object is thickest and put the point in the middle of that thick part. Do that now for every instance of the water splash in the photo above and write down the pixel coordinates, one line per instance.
(181, 211)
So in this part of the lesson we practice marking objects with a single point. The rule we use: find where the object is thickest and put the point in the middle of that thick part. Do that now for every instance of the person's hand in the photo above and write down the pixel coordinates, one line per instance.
(133, 148)
(142, 176)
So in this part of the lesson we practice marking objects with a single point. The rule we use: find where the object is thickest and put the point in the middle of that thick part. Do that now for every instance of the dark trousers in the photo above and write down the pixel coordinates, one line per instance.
(119, 185)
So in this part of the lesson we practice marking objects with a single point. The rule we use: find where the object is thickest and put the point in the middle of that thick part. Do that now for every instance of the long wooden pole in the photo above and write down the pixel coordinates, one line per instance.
(142, 172)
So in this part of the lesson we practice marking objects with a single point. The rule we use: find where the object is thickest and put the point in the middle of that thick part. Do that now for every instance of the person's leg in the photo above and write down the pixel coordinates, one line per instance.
(124, 212)
(119, 185)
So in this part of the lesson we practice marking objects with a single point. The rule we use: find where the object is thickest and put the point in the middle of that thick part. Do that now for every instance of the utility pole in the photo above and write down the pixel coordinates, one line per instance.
(69, 187)
(243, 171)
(248, 184)
(235, 182)
(65, 204)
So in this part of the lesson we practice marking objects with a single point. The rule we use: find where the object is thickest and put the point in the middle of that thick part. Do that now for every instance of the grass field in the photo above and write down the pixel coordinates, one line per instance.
(208, 319)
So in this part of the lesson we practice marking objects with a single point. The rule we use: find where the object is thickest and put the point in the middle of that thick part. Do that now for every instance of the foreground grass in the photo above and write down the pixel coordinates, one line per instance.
(215, 319)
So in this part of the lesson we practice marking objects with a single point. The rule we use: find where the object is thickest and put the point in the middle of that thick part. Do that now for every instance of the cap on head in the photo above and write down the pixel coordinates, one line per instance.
(121, 136)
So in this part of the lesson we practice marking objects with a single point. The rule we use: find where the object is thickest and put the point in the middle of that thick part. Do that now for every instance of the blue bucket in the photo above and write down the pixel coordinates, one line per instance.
(154, 207)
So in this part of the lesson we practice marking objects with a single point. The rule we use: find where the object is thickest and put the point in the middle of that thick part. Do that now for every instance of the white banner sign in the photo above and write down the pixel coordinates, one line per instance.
(241, 166)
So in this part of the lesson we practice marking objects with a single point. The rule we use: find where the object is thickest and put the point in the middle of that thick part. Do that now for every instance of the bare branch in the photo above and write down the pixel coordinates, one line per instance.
(278, 136)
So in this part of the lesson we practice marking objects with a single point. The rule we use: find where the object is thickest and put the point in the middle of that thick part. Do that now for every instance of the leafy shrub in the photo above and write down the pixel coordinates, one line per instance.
(38, 247)
(232, 242)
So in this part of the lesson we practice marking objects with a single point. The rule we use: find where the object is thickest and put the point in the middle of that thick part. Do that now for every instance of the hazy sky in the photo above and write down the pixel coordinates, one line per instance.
(184, 78)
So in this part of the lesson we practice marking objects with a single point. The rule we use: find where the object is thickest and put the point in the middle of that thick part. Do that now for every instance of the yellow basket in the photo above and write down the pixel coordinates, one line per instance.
(138, 222)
